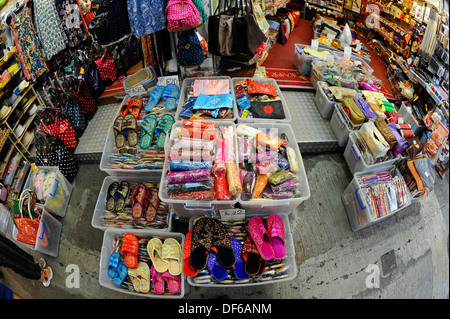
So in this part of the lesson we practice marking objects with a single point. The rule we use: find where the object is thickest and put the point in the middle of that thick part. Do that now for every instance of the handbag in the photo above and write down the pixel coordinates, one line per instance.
(93, 80)
(190, 52)
(121, 59)
(85, 100)
(107, 68)
(182, 15)
(386, 132)
(28, 225)
(98, 24)
(72, 112)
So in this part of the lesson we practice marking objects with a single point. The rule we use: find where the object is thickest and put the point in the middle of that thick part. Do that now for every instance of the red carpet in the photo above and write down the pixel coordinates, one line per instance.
(280, 62)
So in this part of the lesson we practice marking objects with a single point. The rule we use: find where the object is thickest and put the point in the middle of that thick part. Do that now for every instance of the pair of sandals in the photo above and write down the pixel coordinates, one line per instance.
(125, 131)
(117, 270)
(144, 201)
(168, 92)
(210, 236)
(117, 195)
(140, 277)
(150, 125)
(133, 106)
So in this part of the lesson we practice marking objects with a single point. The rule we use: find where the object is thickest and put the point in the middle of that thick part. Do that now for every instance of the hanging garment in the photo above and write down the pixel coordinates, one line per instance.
(146, 16)
(70, 17)
(48, 26)
(148, 51)
(29, 49)
(118, 23)
(86, 13)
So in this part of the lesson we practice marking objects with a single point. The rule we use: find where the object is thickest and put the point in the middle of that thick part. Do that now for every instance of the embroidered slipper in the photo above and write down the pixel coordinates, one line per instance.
(170, 94)
(171, 253)
(218, 272)
(251, 256)
(155, 96)
(122, 270)
(134, 277)
(201, 242)
(143, 271)
(221, 244)
(158, 281)
(125, 108)
(130, 249)
(137, 201)
(148, 127)
(187, 269)
(135, 107)
(173, 282)
(119, 136)
(260, 237)
(275, 229)
(153, 204)
(110, 199)
(154, 249)
(163, 129)
(239, 266)
(129, 126)
(113, 263)
(121, 196)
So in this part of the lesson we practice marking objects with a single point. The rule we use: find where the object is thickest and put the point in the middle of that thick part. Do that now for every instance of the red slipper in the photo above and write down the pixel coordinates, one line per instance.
(125, 108)
(130, 249)
(135, 107)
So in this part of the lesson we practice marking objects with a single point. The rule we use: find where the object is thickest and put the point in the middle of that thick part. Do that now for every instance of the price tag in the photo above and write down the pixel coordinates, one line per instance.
(314, 45)
(347, 52)
(234, 213)
(164, 80)
(137, 91)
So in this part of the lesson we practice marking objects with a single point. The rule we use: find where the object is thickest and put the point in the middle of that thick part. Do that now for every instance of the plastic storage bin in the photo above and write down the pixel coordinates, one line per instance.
(48, 235)
(288, 117)
(107, 249)
(340, 125)
(97, 217)
(356, 205)
(303, 62)
(355, 160)
(288, 260)
(57, 197)
(190, 208)
(257, 206)
(183, 96)
(323, 103)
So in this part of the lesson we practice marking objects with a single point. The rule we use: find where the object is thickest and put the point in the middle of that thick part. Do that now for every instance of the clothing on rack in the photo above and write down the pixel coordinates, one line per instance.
(146, 16)
(118, 27)
(71, 22)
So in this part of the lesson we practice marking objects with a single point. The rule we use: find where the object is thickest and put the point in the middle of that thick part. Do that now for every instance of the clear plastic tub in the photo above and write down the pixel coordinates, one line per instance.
(287, 118)
(303, 62)
(100, 207)
(356, 206)
(183, 96)
(190, 208)
(316, 75)
(323, 103)
(355, 160)
(48, 235)
(108, 247)
(288, 260)
(56, 198)
(340, 125)
(258, 206)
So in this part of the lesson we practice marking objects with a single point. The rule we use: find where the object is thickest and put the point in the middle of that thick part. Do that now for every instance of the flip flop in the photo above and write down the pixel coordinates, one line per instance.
(201, 242)
(129, 126)
(155, 96)
(173, 282)
(171, 253)
(275, 229)
(130, 249)
(221, 244)
(137, 201)
(216, 270)
(148, 127)
(239, 266)
(170, 94)
(260, 237)
(134, 277)
(113, 263)
(119, 136)
(125, 108)
(187, 269)
(163, 129)
(158, 281)
(122, 270)
(154, 250)
(153, 204)
(251, 256)
(135, 107)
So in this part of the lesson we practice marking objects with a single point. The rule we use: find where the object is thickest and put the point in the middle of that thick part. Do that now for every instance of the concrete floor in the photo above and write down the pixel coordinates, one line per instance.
(332, 260)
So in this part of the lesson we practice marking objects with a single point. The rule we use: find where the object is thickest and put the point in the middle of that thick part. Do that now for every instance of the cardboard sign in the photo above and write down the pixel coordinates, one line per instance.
(234, 213)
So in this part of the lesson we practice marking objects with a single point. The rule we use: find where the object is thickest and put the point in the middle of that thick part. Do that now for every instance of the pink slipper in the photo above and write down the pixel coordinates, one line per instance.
(158, 281)
(275, 228)
(260, 237)
(173, 282)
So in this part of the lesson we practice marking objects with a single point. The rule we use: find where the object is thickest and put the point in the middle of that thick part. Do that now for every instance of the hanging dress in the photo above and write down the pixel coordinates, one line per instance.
(70, 17)
(146, 16)
(29, 50)
(48, 26)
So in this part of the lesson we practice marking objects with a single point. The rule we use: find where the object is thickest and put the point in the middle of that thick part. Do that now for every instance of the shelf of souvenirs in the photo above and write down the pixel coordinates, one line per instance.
(331, 4)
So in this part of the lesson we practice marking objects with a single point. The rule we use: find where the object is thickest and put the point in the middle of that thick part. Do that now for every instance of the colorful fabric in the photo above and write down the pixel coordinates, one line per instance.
(70, 17)
(146, 16)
